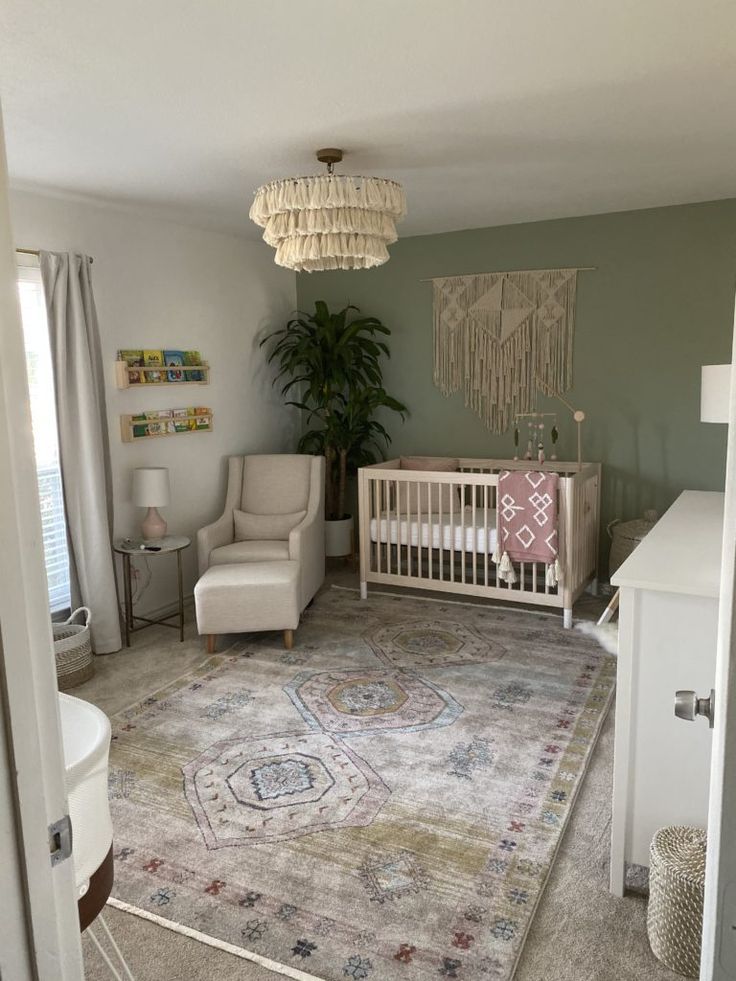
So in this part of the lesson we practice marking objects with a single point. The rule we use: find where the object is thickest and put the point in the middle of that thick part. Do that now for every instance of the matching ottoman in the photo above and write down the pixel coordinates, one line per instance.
(249, 596)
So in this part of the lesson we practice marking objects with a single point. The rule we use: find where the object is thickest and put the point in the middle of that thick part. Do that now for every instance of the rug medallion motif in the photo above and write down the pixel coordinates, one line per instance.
(285, 785)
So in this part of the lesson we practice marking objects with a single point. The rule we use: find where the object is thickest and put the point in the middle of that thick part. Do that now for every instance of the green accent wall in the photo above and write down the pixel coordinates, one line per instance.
(659, 305)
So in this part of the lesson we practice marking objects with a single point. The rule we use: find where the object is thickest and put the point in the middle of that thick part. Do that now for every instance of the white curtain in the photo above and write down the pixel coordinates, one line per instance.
(83, 440)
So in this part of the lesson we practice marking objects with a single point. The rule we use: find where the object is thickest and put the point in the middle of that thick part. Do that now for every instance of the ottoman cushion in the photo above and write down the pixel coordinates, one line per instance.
(231, 599)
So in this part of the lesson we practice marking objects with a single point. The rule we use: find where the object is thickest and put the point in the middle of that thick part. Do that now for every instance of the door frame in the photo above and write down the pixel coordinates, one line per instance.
(718, 958)
(44, 941)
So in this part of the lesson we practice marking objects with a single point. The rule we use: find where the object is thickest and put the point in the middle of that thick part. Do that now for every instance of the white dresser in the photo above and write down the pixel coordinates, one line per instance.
(668, 623)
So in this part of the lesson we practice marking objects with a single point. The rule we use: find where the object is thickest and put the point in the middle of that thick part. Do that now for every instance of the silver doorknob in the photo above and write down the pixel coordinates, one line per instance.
(688, 706)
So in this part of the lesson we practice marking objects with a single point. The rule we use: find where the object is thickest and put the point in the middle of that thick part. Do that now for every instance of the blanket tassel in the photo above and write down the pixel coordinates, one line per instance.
(506, 572)
(553, 575)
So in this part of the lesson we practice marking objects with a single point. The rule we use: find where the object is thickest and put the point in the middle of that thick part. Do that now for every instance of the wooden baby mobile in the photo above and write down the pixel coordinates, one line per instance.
(536, 429)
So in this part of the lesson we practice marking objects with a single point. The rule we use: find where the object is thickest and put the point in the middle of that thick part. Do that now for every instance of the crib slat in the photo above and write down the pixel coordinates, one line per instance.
(494, 508)
(452, 532)
(462, 531)
(377, 513)
(475, 541)
(418, 487)
(486, 539)
(398, 528)
(388, 526)
(441, 559)
(406, 521)
(430, 532)
(522, 576)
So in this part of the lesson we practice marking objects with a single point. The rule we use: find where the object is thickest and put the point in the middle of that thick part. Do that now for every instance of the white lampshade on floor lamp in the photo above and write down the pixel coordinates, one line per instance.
(151, 490)
(715, 392)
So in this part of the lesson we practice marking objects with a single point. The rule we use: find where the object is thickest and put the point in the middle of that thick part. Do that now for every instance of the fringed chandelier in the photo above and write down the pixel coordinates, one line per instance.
(329, 221)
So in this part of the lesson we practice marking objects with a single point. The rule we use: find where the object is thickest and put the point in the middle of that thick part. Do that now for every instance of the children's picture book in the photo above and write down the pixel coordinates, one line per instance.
(173, 359)
(153, 359)
(134, 359)
(195, 358)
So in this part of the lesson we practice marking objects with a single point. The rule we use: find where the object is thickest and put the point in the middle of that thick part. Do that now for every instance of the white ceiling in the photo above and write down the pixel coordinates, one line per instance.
(487, 111)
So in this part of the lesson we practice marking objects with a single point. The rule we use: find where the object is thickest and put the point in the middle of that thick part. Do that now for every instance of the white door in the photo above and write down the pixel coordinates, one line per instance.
(719, 930)
(40, 926)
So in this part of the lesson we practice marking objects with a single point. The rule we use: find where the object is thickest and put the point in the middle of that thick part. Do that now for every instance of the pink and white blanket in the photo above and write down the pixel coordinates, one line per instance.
(527, 522)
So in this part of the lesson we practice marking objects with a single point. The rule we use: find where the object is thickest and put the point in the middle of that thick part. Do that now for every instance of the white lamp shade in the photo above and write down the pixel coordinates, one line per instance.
(715, 392)
(151, 487)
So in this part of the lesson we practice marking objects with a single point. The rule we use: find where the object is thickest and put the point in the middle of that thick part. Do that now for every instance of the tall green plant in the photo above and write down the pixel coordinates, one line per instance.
(335, 365)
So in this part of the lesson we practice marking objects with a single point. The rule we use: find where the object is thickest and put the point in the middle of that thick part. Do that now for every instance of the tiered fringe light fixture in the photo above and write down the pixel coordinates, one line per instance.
(329, 221)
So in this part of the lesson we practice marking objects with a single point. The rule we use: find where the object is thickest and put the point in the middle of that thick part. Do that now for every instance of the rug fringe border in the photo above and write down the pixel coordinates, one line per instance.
(205, 938)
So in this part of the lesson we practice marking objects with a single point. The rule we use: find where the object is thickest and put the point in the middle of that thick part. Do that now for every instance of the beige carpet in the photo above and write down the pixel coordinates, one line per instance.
(580, 931)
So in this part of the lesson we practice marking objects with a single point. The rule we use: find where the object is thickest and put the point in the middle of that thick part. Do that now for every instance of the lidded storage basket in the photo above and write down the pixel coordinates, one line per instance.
(73, 649)
(625, 536)
(676, 891)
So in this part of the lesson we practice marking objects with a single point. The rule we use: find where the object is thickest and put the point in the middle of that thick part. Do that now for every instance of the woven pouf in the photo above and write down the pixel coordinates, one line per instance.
(676, 889)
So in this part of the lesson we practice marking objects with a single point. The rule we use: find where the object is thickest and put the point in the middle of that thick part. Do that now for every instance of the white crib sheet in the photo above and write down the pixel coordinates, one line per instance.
(449, 533)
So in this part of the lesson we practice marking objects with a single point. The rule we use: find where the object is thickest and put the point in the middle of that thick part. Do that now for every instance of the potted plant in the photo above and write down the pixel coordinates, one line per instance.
(335, 364)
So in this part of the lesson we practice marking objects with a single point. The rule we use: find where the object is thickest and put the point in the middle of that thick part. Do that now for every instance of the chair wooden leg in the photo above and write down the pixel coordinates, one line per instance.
(211, 643)
(288, 639)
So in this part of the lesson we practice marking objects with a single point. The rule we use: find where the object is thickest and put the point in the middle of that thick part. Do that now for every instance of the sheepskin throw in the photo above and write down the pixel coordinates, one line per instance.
(499, 337)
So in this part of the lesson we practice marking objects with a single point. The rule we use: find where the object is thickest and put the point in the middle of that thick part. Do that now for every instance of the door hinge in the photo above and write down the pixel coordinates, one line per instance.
(60, 840)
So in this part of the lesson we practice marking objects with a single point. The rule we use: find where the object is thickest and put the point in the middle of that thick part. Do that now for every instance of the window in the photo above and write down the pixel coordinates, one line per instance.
(45, 438)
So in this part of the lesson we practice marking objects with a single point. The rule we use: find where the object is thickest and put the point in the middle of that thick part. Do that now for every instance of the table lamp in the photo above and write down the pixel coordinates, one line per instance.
(715, 392)
(151, 490)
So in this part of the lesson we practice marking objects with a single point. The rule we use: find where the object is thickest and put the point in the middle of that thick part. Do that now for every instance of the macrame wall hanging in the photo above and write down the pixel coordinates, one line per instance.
(500, 337)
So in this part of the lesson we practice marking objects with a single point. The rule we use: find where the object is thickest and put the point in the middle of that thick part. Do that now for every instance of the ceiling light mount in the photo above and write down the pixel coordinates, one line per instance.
(329, 221)
(330, 155)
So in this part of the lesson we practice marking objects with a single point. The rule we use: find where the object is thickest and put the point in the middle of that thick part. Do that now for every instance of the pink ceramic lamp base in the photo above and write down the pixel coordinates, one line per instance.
(153, 525)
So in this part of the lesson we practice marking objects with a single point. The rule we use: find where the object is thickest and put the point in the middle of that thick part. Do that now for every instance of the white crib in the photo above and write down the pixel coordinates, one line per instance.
(448, 545)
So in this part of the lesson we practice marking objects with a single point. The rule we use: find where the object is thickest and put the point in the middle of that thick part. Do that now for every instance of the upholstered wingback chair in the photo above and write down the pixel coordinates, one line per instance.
(274, 510)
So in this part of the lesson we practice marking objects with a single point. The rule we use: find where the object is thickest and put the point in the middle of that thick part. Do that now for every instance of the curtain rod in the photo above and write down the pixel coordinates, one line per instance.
(503, 272)
(38, 252)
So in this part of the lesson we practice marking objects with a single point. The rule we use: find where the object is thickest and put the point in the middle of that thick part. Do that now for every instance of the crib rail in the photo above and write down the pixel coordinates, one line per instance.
(436, 529)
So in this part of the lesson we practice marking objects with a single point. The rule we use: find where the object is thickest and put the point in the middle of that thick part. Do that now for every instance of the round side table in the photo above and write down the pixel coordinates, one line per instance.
(128, 547)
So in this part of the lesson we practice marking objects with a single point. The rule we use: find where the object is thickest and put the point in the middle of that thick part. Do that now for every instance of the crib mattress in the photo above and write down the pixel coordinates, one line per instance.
(435, 533)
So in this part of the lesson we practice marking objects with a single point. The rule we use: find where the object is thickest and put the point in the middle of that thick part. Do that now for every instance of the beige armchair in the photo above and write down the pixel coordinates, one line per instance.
(274, 513)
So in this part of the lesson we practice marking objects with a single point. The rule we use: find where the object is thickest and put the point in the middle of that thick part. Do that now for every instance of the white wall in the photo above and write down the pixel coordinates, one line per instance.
(159, 284)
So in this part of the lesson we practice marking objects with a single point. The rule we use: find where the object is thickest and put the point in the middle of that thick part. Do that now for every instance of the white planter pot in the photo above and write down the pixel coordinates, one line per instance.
(339, 537)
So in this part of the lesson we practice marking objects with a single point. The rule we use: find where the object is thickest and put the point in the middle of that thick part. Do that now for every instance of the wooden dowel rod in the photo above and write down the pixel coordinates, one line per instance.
(504, 272)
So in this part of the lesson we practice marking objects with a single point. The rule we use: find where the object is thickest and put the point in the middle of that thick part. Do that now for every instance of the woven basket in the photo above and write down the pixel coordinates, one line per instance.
(73, 650)
(676, 890)
(625, 536)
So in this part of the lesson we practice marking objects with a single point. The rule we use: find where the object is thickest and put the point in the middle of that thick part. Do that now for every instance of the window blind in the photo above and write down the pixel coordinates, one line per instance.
(45, 437)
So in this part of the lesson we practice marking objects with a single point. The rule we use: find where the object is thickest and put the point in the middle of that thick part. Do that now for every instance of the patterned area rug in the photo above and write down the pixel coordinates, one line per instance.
(384, 801)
